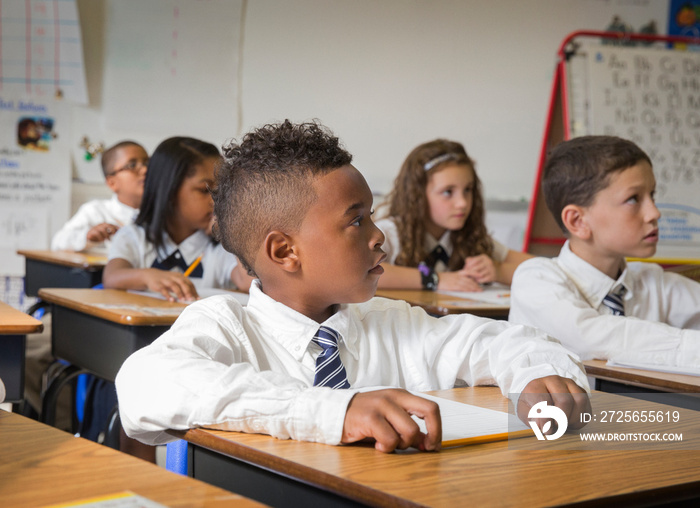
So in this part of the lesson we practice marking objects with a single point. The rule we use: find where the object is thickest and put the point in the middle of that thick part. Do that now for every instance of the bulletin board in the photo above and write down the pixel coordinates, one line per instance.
(647, 92)
(41, 75)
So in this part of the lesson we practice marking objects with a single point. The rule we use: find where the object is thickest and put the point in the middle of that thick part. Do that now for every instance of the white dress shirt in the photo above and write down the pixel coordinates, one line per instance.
(73, 234)
(130, 244)
(251, 368)
(392, 244)
(563, 296)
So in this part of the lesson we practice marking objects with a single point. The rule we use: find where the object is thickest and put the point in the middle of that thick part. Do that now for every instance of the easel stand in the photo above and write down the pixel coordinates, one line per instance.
(543, 236)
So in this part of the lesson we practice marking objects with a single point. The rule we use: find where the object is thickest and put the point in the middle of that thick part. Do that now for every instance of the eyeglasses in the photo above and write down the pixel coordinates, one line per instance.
(133, 165)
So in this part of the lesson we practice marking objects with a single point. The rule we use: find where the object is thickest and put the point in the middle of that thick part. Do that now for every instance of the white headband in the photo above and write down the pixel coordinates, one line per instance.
(439, 159)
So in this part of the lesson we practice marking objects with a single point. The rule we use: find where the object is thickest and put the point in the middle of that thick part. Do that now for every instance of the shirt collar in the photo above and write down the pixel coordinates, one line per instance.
(592, 283)
(431, 243)
(190, 248)
(293, 330)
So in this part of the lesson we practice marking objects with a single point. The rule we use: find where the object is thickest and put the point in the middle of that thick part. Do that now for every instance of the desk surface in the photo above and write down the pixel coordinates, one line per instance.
(115, 305)
(480, 475)
(42, 465)
(661, 381)
(443, 304)
(66, 258)
(15, 322)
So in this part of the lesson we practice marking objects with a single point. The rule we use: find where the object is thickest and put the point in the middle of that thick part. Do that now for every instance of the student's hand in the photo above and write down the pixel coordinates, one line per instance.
(173, 286)
(557, 391)
(457, 281)
(480, 268)
(385, 416)
(101, 232)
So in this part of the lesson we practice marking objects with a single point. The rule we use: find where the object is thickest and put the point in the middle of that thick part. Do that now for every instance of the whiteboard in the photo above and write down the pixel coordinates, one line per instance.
(652, 97)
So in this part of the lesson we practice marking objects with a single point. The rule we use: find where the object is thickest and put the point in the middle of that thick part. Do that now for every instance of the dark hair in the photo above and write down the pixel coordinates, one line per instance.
(264, 182)
(408, 204)
(172, 161)
(576, 170)
(109, 155)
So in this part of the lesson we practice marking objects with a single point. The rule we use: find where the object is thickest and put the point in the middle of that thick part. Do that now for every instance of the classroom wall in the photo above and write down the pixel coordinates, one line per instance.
(387, 75)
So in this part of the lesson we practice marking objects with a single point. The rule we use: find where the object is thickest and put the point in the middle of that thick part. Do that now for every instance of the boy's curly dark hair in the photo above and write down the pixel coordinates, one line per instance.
(576, 170)
(264, 183)
(408, 204)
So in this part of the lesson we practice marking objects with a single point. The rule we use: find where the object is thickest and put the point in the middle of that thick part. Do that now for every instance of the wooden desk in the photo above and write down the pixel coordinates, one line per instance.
(96, 330)
(14, 325)
(42, 465)
(440, 304)
(678, 389)
(60, 269)
(292, 473)
(657, 381)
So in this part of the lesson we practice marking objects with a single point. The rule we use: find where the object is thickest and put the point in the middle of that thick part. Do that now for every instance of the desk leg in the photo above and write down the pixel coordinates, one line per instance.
(50, 398)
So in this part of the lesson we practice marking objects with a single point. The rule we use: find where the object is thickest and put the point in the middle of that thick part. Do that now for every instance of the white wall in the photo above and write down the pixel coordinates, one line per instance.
(386, 75)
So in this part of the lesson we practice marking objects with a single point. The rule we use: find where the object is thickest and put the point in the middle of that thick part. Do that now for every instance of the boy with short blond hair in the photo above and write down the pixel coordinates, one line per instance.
(124, 166)
(600, 190)
(292, 362)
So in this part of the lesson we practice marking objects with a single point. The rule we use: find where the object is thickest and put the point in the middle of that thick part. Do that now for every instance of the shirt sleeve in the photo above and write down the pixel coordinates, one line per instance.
(204, 372)
(465, 349)
(543, 296)
(224, 262)
(127, 245)
(500, 251)
(73, 234)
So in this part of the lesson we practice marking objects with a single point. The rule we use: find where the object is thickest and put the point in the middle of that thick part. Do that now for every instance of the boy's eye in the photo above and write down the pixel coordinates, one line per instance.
(357, 221)
(447, 193)
(633, 199)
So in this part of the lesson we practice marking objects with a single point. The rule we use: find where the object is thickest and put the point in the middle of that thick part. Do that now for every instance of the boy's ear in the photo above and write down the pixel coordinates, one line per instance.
(574, 219)
(279, 248)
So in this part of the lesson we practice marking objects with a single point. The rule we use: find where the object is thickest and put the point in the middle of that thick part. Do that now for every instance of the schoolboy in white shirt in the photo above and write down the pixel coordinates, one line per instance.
(124, 166)
(600, 190)
(297, 214)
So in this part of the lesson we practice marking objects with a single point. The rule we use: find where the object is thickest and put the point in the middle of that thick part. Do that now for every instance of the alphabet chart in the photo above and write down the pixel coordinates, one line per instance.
(41, 52)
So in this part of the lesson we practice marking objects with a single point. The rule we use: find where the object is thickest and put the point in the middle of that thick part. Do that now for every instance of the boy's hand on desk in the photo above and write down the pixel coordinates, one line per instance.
(557, 391)
(101, 232)
(480, 268)
(457, 281)
(172, 285)
(385, 416)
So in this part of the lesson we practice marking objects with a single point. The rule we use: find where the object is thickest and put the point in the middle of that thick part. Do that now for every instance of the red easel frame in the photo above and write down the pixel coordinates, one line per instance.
(542, 234)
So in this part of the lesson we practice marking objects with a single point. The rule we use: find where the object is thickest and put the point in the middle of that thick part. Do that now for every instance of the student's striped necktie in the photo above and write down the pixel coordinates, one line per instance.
(613, 301)
(329, 367)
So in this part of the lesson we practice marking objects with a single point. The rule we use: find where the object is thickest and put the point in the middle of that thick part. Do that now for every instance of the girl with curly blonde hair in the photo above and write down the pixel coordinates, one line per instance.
(436, 235)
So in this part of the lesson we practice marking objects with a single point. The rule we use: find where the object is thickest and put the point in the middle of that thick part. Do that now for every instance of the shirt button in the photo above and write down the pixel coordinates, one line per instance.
(177, 255)
(297, 348)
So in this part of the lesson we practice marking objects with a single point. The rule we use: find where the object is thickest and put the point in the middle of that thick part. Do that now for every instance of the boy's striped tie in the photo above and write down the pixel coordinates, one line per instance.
(329, 367)
(613, 301)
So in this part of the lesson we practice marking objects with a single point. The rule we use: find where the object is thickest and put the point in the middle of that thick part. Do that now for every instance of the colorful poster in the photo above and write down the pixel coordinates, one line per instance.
(684, 18)
(34, 175)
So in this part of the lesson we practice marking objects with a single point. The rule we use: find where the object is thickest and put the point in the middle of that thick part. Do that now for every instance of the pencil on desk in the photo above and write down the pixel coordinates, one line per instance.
(194, 264)
(487, 438)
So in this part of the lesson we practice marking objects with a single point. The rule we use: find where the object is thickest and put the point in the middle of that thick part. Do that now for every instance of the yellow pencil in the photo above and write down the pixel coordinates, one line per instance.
(487, 439)
(194, 264)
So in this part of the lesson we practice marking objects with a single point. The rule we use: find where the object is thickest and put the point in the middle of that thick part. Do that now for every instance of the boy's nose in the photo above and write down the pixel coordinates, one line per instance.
(377, 237)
